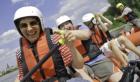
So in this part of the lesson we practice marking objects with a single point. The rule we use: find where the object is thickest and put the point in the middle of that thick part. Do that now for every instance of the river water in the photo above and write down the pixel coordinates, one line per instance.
(9, 77)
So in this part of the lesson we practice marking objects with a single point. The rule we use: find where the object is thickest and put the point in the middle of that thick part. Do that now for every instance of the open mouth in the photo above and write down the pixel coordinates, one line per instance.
(32, 33)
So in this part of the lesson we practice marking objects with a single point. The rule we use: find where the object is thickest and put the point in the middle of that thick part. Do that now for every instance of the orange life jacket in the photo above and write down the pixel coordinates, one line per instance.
(42, 49)
(87, 49)
(80, 47)
(134, 38)
(136, 29)
(98, 37)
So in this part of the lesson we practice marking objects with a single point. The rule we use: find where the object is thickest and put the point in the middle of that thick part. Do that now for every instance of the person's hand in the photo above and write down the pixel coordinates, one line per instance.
(60, 32)
(69, 35)
(107, 53)
(100, 14)
(17, 80)
(97, 15)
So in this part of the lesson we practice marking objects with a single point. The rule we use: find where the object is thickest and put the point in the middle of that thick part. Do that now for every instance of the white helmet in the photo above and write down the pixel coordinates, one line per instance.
(62, 19)
(88, 17)
(28, 11)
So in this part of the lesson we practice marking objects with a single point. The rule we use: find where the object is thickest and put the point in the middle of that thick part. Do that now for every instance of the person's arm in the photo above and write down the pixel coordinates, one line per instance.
(119, 17)
(78, 34)
(77, 59)
(81, 72)
(128, 44)
(124, 12)
(118, 54)
(17, 80)
(106, 19)
(102, 25)
(72, 35)
(18, 54)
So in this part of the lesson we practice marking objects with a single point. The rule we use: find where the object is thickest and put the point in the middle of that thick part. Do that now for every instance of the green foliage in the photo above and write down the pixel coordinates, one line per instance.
(11, 69)
(113, 12)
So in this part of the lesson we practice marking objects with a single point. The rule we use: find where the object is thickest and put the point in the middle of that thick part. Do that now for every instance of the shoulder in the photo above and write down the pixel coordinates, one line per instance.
(55, 38)
(19, 54)
(80, 27)
(128, 9)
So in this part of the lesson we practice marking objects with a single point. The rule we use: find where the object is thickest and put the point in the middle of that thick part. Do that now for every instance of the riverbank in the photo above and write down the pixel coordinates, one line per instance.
(10, 77)
(7, 71)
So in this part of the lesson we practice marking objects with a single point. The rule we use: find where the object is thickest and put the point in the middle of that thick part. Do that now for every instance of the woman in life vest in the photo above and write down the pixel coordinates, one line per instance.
(36, 42)
(128, 14)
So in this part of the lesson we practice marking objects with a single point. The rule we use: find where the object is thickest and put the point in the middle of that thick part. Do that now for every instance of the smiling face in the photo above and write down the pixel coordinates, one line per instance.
(30, 28)
(66, 26)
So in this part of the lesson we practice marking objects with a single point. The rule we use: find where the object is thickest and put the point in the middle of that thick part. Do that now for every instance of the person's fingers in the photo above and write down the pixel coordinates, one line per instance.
(62, 36)
(59, 31)
(67, 33)
(70, 35)
(71, 39)
(100, 14)
(56, 31)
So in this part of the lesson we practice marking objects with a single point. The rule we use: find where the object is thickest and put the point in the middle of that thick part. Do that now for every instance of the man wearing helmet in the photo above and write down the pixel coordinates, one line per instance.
(99, 30)
(75, 33)
(65, 23)
(98, 37)
(128, 14)
(36, 42)
(86, 48)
